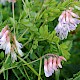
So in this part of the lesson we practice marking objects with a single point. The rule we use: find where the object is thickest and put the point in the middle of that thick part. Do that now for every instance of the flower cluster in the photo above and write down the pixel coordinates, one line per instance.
(3, 1)
(12, 1)
(5, 40)
(52, 64)
(15, 46)
(67, 22)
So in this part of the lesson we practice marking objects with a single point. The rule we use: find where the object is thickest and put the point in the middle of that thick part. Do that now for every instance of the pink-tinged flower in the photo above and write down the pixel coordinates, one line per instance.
(60, 58)
(55, 63)
(8, 45)
(59, 63)
(62, 30)
(18, 47)
(61, 18)
(46, 68)
(67, 22)
(3, 40)
(52, 64)
(3, 30)
(12, 1)
(6, 42)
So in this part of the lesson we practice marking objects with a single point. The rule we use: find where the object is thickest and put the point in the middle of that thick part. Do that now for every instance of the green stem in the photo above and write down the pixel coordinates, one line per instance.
(3, 69)
(7, 75)
(57, 73)
(28, 66)
(13, 16)
(40, 68)
(23, 2)
(26, 72)
(15, 74)
(23, 34)
(7, 58)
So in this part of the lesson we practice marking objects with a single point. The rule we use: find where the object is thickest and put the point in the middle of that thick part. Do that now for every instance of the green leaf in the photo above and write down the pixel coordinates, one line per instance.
(64, 50)
(29, 66)
(12, 20)
(68, 44)
(41, 30)
(1, 55)
(56, 39)
(26, 22)
(33, 56)
(50, 37)
(75, 76)
(64, 46)
(33, 28)
(65, 53)
(44, 32)
(35, 44)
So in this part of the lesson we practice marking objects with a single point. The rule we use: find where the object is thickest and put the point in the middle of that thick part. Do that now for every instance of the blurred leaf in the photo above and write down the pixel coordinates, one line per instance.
(1, 55)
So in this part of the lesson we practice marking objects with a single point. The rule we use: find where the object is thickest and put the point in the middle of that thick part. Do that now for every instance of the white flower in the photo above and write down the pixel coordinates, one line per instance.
(18, 47)
(3, 40)
(8, 45)
(3, 1)
(46, 68)
(8, 48)
(67, 22)
(62, 30)
(20, 52)
(13, 56)
(12, 1)
(52, 64)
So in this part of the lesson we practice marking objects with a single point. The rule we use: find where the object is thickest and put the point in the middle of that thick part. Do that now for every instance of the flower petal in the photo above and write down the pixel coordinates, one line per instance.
(50, 69)
(55, 63)
(13, 57)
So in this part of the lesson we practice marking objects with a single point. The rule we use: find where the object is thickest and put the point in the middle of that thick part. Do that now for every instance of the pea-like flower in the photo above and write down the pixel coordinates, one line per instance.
(5, 40)
(18, 47)
(8, 45)
(13, 54)
(3, 2)
(68, 21)
(10, 48)
(52, 64)
(12, 1)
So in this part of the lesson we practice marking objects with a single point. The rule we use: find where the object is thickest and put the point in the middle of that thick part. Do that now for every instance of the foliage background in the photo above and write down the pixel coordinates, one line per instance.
(34, 22)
